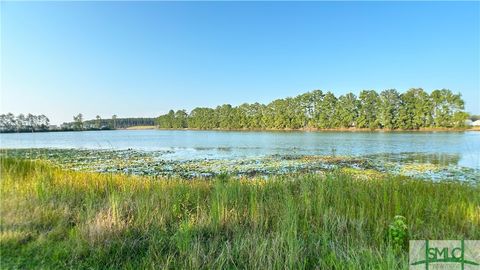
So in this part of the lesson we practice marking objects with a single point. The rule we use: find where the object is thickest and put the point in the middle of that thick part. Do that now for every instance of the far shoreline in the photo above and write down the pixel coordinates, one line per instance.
(268, 130)
(329, 129)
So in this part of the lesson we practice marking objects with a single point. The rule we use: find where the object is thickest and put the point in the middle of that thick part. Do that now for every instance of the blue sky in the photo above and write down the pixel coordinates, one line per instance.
(142, 59)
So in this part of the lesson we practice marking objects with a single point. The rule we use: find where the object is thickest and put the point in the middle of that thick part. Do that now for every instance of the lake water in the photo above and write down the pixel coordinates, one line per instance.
(190, 145)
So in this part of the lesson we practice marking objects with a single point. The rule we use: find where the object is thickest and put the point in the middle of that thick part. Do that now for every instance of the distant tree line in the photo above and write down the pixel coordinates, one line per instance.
(388, 109)
(23, 123)
(104, 124)
(39, 123)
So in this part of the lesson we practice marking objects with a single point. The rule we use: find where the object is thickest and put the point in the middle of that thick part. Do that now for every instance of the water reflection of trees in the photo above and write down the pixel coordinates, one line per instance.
(432, 158)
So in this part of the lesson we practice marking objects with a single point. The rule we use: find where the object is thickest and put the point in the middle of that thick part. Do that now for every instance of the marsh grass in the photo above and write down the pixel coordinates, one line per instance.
(53, 219)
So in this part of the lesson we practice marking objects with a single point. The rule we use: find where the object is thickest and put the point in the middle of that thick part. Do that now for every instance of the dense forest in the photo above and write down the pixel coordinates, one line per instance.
(23, 123)
(388, 109)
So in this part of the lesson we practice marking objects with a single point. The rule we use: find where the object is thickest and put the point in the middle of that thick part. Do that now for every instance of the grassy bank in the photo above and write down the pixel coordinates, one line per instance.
(53, 219)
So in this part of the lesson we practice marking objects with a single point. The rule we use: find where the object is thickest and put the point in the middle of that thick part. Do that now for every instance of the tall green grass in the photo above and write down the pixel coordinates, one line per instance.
(54, 219)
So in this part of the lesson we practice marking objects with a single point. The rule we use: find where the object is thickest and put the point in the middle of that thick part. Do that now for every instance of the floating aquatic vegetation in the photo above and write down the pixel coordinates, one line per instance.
(159, 163)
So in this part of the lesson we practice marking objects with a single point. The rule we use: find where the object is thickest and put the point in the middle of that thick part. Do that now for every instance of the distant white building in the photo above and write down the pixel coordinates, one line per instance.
(476, 123)
(468, 122)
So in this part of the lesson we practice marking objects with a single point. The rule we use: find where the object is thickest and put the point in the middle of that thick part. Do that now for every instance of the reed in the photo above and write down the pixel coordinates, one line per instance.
(55, 219)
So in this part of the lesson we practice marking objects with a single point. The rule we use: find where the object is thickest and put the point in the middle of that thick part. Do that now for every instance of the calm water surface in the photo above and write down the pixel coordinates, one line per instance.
(188, 145)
